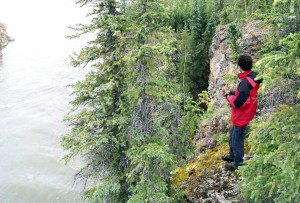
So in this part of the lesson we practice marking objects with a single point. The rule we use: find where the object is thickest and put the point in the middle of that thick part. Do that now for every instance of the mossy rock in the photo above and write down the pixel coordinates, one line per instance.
(205, 180)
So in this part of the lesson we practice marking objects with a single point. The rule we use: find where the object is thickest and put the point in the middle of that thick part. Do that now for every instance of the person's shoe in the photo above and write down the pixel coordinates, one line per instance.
(230, 167)
(227, 158)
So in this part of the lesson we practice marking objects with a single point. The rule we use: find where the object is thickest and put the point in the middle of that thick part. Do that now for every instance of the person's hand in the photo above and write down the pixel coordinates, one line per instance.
(231, 92)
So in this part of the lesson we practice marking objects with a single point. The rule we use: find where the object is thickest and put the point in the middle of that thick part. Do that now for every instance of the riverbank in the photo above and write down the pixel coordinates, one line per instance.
(4, 37)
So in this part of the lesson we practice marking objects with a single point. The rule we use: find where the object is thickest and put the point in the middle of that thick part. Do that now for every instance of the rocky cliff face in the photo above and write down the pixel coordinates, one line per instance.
(216, 126)
(4, 38)
(205, 179)
(252, 40)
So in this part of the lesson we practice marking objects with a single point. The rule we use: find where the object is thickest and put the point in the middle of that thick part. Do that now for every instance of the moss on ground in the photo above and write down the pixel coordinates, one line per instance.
(205, 180)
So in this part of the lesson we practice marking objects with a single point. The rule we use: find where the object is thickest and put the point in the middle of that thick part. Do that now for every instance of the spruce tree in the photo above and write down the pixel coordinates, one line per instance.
(96, 120)
(126, 121)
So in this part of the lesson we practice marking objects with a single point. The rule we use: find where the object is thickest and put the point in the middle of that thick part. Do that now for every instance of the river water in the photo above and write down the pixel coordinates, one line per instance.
(34, 72)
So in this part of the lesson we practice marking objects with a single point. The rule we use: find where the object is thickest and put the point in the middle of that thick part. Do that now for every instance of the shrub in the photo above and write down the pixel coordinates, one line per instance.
(273, 174)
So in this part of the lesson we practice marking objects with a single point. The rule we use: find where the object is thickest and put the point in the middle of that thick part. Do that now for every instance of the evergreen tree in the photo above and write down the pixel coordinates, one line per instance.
(96, 120)
(126, 121)
(273, 174)
(133, 120)
(233, 34)
(200, 66)
(197, 25)
(281, 66)
(180, 14)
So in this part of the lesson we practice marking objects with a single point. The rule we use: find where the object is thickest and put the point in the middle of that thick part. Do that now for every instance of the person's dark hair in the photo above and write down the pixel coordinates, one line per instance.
(245, 61)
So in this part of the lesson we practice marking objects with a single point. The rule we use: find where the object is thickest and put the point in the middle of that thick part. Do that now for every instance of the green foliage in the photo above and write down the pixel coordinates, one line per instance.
(195, 28)
(286, 6)
(180, 14)
(273, 174)
(152, 164)
(282, 64)
(136, 112)
(185, 60)
(127, 118)
(107, 188)
(188, 126)
(233, 34)
(241, 10)
(215, 123)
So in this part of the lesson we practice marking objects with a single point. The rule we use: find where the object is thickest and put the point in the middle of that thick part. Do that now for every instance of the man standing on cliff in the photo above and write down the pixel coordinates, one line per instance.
(243, 103)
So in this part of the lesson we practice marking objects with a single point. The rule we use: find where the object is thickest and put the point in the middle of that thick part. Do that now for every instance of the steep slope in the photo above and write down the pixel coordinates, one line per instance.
(205, 179)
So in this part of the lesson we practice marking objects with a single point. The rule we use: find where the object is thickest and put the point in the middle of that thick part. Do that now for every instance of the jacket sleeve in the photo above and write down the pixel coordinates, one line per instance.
(231, 99)
(244, 92)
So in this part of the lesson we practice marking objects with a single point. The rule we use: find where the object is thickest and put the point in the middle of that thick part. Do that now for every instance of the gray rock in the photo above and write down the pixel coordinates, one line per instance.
(4, 38)
(253, 34)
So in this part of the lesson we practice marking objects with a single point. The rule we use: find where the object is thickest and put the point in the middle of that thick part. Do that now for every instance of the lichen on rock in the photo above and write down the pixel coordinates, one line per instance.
(205, 180)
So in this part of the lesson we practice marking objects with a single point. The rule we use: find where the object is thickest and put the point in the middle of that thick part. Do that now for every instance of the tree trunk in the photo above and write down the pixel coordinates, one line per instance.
(245, 3)
(253, 5)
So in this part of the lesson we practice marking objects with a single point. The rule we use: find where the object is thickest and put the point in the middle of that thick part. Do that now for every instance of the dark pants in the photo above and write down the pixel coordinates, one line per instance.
(236, 144)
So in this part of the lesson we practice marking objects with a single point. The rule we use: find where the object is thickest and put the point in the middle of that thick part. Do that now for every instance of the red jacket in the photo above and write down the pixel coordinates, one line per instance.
(242, 115)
